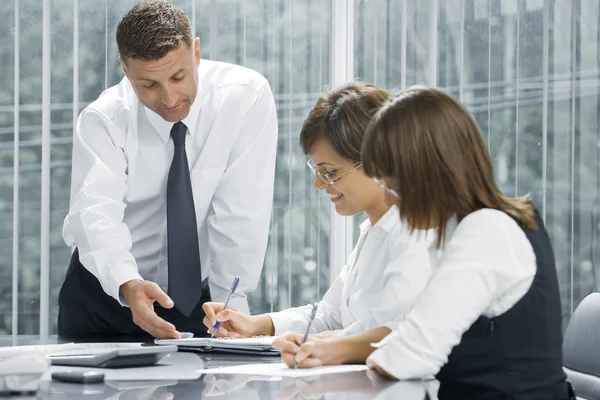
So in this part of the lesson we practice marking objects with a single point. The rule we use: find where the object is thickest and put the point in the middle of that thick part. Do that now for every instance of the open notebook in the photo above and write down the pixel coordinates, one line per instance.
(260, 345)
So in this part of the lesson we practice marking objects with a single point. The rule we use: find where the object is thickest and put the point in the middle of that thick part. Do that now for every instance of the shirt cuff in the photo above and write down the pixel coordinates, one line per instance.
(119, 276)
(394, 362)
(391, 325)
(281, 324)
(382, 359)
(385, 340)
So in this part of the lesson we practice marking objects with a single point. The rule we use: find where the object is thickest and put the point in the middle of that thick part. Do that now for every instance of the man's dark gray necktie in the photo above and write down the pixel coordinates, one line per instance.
(185, 277)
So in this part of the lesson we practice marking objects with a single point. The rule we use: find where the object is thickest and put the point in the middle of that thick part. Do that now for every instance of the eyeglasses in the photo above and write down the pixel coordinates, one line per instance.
(387, 189)
(332, 177)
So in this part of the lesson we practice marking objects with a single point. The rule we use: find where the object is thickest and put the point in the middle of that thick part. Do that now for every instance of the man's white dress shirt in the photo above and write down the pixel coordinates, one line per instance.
(386, 270)
(486, 267)
(122, 153)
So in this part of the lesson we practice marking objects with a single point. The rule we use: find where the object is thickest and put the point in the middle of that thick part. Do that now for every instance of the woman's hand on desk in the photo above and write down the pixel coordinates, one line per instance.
(140, 296)
(315, 352)
(353, 349)
(235, 323)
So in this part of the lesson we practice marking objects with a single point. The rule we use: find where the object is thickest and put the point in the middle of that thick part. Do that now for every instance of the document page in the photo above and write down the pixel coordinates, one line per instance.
(280, 369)
(262, 341)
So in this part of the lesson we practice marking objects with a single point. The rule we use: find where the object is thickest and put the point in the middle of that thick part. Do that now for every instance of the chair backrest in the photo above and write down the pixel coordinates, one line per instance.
(581, 348)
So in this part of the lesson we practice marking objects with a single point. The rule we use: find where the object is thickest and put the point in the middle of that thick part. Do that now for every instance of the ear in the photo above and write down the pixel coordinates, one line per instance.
(197, 51)
(124, 67)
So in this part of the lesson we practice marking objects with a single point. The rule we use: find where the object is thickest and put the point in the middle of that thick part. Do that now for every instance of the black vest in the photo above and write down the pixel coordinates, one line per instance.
(516, 355)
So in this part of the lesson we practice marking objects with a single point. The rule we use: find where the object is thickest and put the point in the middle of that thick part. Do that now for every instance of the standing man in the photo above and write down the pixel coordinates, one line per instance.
(172, 186)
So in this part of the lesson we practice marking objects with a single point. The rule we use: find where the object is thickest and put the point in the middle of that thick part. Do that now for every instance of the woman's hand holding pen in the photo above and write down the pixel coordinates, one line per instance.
(353, 349)
(235, 323)
(315, 352)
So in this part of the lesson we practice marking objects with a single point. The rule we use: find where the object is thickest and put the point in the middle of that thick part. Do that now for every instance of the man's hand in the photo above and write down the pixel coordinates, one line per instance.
(140, 296)
(235, 323)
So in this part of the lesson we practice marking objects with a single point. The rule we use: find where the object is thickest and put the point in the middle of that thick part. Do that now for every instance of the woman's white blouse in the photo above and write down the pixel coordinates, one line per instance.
(386, 270)
(486, 267)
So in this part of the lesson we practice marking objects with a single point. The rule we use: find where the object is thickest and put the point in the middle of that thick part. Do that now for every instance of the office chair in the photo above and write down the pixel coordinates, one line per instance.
(581, 349)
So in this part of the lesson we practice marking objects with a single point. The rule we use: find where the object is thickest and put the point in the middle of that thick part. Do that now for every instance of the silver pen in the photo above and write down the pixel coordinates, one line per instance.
(233, 287)
(312, 318)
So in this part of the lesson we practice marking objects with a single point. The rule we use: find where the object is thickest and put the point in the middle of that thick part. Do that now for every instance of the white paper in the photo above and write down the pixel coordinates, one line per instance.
(280, 369)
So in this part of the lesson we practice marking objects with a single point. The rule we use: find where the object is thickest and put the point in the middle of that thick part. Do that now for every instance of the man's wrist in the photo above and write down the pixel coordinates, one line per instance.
(125, 288)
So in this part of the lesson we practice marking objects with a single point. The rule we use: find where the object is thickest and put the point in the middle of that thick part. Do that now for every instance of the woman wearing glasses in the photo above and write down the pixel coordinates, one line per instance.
(389, 265)
(488, 324)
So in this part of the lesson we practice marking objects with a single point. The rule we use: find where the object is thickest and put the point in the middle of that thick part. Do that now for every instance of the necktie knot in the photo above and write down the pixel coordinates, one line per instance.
(178, 132)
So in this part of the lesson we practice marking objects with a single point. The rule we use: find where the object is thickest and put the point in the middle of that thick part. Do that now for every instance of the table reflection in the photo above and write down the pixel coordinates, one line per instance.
(357, 385)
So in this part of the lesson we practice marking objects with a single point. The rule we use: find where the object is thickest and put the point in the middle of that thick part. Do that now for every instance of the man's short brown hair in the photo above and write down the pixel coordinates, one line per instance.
(151, 29)
(341, 117)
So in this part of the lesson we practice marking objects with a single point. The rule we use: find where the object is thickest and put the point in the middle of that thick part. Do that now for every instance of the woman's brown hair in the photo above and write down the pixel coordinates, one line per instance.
(428, 148)
(341, 117)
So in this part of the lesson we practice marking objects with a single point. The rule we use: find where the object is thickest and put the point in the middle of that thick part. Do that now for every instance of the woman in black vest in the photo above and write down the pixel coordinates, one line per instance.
(488, 324)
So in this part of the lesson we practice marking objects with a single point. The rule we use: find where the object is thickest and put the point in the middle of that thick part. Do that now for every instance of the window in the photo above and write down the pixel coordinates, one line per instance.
(288, 42)
(529, 73)
(527, 70)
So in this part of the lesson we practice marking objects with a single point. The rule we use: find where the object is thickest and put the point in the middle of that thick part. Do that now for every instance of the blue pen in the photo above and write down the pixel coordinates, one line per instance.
(233, 287)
